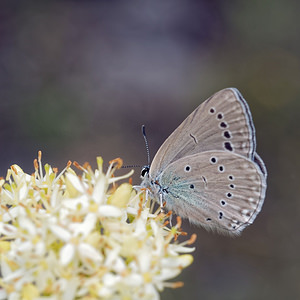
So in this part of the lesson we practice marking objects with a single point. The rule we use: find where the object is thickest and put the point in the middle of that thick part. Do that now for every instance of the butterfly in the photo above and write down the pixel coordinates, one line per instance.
(208, 170)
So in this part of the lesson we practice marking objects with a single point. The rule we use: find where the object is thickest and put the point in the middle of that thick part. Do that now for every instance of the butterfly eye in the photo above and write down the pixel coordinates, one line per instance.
(145, 171)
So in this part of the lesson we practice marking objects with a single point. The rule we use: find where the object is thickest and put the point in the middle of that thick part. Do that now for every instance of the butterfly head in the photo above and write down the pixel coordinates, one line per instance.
(145, 171)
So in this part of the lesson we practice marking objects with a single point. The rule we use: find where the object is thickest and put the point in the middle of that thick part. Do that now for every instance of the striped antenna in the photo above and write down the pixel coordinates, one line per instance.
(146, 144)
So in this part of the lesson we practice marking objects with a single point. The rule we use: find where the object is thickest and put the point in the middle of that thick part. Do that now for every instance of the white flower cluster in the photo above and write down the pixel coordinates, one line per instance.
(65, 236)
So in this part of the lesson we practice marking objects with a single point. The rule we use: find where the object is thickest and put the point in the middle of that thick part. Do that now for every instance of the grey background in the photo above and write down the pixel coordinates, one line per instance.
(79, 78)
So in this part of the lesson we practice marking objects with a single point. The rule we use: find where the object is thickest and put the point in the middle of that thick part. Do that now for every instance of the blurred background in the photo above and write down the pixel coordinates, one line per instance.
(79, 78)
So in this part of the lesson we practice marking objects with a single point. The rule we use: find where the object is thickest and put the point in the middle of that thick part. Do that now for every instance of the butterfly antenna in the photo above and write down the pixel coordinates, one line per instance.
(131, 166)
(146, 144)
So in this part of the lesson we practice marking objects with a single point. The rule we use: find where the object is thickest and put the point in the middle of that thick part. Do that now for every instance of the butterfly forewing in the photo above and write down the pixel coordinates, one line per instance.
(215, 189)
(222, 122)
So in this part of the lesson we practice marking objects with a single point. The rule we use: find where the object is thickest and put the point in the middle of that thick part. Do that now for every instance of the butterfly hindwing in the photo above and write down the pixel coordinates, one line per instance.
(214, 189)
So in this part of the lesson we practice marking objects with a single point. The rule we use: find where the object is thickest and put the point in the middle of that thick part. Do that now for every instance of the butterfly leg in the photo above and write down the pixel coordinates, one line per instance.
(170, 218)
(147, 198)
(161, 202)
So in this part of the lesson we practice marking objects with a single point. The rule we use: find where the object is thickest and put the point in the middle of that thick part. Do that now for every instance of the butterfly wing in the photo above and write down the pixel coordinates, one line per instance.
(222, 122)
(218, 190)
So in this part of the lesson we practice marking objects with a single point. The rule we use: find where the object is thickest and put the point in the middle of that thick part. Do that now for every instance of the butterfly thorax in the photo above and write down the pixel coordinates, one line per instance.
(151, 184)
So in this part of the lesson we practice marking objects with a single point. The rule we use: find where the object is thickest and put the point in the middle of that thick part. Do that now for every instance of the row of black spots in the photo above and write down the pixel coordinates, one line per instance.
(223, 202)
(220, 216)
(223, 125)
(234, 223)
(231, 186)
(212, 110)
(219, 116)
(228, 146)
(187, 168)
(213, 160)
(227, 134)
(229, 195)
(221, 168)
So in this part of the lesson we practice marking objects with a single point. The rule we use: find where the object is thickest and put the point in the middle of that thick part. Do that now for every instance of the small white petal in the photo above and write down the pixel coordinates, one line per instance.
(99, 189)
(27, 225)
(60, 232)
(85, 227)
(105, 292)
(23, 192)
(75, 181)
(166, 274)
(110, 279)
(14, 296)
(14, 275)
(144, 259)
(119, 266)
(140, 227)
(87, 251)
(132, 210)
(151, 292)
(25, 246)
(181, 261)
(133, 280)
(13, 213)
(154, 227)
(24, 280)
(112, 255)
(7, 229)
(3, 294)
(73, 203)
(66, 254)
(40, 248)
(5, 268)
(109, 211)
(70, 289)
(175, 249)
